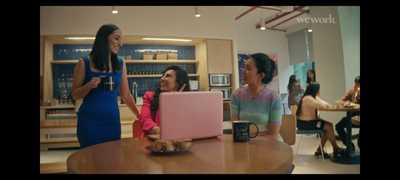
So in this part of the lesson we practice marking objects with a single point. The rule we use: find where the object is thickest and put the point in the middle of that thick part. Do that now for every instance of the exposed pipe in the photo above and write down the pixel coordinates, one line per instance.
(270, 8)
(244, 13)
(301, 13)
(275, 29)
(283, 14)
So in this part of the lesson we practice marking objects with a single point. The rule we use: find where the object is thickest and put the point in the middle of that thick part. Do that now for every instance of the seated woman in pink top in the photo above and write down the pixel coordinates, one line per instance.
(173, 79)
(307, 118)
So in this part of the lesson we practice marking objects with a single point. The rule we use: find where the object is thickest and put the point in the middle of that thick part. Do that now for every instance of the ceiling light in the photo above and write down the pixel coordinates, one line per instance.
(262, 24)
(309, 30)
(114, 11)
(79, 38)
(196, 12)
(166, 39)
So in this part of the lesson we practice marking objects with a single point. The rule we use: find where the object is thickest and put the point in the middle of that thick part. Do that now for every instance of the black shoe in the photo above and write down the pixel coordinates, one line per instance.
(339, 153)
(318, 153)
(352, 147)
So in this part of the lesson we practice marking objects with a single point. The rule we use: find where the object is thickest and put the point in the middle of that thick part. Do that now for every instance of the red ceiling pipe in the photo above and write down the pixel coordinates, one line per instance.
(284, 14)
(302, 12)
(244, 13)
(275, 29)
(270, 8)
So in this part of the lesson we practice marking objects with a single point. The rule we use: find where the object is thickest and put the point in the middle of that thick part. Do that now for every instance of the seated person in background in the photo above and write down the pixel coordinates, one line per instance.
(295, 91)
(255, 102)
(307, 118)
(173, 79)
(311, 76)
(351, 96)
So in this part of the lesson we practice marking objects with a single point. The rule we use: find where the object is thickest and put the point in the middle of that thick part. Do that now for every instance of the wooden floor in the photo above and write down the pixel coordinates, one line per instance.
(53, 168)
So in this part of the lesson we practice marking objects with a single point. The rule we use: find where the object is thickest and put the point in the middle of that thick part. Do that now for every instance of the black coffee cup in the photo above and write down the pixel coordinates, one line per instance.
(241, 131)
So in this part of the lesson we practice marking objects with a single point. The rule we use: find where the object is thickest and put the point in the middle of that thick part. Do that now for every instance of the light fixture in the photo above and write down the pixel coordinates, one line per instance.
(114, 11)
(309, 30)
(262, 24)
(196, 12)
(166, 39)
(79, 38)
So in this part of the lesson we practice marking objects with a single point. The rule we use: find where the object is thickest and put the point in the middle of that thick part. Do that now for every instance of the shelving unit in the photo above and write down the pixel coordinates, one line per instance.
(59, 57)
(156, 75)
(131, 61)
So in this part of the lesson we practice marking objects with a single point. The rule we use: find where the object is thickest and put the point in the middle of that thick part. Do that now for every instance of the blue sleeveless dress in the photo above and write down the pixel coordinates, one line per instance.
(98, 115)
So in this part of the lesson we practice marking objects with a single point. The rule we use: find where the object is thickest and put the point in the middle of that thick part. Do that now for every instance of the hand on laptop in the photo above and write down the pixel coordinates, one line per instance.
(182, 88)
(155, 130)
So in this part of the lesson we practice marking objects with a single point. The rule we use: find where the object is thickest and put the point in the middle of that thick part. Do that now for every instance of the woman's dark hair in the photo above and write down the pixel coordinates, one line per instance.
(357, 80)
(181, 79)
(264, 65)
(312, 89)
(101, 49)
(309, 80)
(292, 80)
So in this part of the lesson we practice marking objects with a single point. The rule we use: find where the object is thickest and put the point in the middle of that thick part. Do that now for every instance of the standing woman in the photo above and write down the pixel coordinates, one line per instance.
(311, 77)
(295, 91)
(97, 80)
(255, 102)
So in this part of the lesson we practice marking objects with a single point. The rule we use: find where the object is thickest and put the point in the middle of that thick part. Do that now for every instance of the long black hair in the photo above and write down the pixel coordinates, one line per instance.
(312, 89)
(264, 65)
(309, 80)
(101, 49)
(181, 79)
(292, 80)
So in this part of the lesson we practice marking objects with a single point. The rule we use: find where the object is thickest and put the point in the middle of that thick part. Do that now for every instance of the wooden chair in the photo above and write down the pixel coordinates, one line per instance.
(288, 128)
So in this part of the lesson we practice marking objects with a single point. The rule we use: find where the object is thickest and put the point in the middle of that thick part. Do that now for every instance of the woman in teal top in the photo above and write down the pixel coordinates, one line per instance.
(255, 102)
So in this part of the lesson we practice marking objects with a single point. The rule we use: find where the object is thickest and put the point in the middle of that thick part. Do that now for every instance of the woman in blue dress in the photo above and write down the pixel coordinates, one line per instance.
(98, 80)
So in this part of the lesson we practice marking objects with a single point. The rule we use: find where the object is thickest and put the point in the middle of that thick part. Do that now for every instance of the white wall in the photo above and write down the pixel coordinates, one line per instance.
(138, 20)
(216, 22)
(328, 55)
(350, 30)
(251, 40)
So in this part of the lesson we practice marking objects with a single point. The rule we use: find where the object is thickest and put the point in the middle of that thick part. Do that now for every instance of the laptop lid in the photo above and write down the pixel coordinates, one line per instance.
(191, 115)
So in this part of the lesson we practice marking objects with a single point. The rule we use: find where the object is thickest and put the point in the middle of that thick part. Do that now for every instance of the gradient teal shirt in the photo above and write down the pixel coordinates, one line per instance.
(263, 109)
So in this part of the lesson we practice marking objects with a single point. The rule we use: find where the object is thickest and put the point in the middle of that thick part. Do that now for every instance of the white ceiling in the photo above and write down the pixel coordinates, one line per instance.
(256, 15)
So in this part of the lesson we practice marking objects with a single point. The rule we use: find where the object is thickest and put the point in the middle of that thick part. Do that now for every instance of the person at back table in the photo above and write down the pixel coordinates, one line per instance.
(295, 91)
(351, 96)
(255, 102)
(173, 79)
(307, 118)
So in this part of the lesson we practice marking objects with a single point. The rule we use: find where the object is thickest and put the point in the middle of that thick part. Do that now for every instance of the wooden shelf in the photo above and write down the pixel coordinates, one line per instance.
(65, 62)
(170, 61)
(70, 106)
(139, 61)
(155, 75)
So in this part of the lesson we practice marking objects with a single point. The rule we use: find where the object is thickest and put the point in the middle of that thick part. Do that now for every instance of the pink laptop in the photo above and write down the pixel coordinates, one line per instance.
(191, 115)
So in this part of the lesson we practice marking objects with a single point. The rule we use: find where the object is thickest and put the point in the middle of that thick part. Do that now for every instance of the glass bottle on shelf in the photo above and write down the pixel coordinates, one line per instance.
(63, 89)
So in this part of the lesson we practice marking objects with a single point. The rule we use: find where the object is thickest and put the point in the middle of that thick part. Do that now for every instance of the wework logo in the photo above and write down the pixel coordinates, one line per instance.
(320, 20)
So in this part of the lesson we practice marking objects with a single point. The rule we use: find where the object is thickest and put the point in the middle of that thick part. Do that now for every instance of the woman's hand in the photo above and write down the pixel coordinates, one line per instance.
(155, 130)
(94, 82)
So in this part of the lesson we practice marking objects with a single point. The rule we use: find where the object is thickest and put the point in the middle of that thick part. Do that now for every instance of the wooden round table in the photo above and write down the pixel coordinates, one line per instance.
(215, 156)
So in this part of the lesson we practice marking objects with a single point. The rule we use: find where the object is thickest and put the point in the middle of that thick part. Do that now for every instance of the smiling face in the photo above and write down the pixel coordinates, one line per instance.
(115, 41)
(168, 81)
(251, 74)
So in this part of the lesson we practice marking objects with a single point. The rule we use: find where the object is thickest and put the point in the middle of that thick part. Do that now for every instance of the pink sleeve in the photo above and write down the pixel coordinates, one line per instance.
(145, 118)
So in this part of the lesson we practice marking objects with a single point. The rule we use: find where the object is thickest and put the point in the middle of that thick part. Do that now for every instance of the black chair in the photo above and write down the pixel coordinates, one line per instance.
(318, 133)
